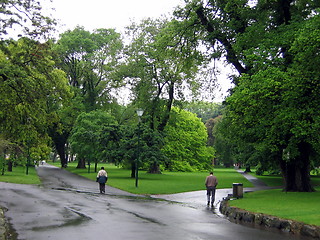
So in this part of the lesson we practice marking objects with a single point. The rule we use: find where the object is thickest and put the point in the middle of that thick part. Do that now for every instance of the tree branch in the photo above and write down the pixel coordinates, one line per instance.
(219, 36)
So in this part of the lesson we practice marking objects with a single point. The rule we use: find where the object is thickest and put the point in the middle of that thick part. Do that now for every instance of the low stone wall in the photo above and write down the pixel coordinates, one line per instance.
(258, 219)
(3, 226)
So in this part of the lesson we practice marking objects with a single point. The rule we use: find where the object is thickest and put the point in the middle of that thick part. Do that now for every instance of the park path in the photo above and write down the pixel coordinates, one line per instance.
(198, 198)
(67, 206)
(255, 181)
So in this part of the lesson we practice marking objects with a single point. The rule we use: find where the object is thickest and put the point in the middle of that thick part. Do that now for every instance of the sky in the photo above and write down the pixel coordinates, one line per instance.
(118, 14)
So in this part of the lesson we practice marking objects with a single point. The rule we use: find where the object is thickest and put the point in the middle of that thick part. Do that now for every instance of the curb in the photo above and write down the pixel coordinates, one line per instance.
(3, 225)
(259, 219)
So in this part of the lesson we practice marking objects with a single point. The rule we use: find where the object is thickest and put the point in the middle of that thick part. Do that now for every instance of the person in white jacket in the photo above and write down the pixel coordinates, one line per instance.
(102, 178)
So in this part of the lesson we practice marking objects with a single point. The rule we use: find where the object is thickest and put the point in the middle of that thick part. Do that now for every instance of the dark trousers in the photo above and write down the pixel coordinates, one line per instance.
(102, 187)
(211, 192)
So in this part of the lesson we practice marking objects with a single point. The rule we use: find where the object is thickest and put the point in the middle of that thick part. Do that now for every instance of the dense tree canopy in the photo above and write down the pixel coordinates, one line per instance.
(86, 135)
(268, 111)
(270, 120)
(185, 143)
(161, 64)
(204, 110)
(29, 83)
(88, 59)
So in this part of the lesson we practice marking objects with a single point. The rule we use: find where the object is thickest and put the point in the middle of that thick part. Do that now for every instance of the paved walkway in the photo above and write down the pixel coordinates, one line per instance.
(255, 181)
(199, 199)
(67, 206)
(196, 199)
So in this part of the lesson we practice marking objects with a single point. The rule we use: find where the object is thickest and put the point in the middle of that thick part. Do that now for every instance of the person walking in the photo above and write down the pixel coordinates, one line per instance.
(102, 178)
(211, 184)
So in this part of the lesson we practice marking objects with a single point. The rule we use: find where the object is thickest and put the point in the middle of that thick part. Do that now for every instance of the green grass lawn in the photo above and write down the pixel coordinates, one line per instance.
(18, 175)
(298, 206)
(277, 181)
(165, 183)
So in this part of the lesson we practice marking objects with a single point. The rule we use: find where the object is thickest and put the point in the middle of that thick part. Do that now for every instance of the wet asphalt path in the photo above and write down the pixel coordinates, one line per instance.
(67, 206)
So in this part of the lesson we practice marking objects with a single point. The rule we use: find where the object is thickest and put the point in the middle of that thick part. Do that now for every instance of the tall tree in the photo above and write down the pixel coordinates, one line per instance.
(186, 143)
(257, 38)
(160, 65)
(87, 135)
(29, 83)
(89, 60)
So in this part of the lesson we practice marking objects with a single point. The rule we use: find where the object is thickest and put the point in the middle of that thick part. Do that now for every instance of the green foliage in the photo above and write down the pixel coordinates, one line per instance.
(273, 111)
(140, 142)
(89, 60)
(225, 150)
(185, 143)
(151, 155)
(86, 135)
(26, 14)
(204, 110)
(29, 84)
(277, 110)
(161, 65)
(110, 140)
(271, 116)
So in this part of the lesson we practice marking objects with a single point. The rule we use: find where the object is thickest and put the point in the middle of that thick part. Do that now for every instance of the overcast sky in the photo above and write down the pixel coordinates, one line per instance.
(117, 14)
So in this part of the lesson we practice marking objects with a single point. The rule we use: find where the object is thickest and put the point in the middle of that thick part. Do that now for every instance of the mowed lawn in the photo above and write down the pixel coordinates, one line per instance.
(299, 206)
(277, 181)
(165, 183)
(18, 175)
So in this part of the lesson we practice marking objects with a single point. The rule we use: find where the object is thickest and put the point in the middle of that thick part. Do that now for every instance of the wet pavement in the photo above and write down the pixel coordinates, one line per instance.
(197, 198)
(67, 206)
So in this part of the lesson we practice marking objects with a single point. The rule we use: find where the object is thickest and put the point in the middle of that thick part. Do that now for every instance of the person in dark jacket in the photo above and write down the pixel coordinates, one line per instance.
(102, 178)
(211, 184)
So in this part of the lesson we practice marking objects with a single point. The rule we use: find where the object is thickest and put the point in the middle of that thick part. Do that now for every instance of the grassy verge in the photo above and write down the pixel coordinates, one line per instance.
(18, 175)
(165, 183)
(276, 180)
(303, 207)
(270, 180)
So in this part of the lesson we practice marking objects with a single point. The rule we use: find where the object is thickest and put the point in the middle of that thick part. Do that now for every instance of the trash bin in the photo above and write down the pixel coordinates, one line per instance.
(237, 190)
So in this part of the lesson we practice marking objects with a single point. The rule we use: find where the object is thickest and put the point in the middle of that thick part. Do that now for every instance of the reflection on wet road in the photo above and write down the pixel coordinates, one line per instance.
(69, 207)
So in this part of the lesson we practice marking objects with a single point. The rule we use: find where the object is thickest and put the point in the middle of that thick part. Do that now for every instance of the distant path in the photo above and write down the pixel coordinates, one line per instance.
(255, 181)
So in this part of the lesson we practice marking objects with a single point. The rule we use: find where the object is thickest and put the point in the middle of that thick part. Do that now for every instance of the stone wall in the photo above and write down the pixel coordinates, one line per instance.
(3, 226)
(258, 219)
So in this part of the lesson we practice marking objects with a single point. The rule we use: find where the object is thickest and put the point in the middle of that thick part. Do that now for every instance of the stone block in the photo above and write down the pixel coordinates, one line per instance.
(311, 231)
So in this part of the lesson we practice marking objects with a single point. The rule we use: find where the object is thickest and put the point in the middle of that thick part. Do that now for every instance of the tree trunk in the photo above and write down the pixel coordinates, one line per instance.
(81, 163)
(10, 166)
(166, 116)
(95, 166)
(296, 172)
(154, 168)
(3, 163)
(133, 170)
(60, 142)
(62, 154)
